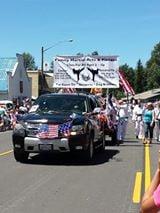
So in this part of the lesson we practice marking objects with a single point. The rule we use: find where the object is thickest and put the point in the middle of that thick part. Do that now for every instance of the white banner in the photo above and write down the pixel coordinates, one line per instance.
(86, 72)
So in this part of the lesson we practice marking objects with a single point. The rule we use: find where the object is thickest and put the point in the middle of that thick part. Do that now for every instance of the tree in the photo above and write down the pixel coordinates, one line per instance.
(140, 77)
(29, 62)
(79, 54)
(94, 53)
(155, 56)
(153, 77)
(153, 68)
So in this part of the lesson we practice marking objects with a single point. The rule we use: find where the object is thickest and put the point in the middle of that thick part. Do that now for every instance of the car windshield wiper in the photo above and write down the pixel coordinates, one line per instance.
(53, 111)
(46, 111)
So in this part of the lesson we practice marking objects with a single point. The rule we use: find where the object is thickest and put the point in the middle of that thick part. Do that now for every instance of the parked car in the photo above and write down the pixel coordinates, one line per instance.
(60, 122)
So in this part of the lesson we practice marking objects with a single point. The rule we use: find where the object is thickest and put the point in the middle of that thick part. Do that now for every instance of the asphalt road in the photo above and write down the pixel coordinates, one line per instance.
(64, 183)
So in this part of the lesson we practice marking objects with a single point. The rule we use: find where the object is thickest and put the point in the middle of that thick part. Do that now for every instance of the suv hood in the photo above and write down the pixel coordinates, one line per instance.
(56, 118)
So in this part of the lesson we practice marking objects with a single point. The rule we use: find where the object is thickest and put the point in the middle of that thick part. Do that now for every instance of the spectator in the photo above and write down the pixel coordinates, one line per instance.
(149, 122)
(13, 118)
(157, 121)
(122, 120)
(138, 120)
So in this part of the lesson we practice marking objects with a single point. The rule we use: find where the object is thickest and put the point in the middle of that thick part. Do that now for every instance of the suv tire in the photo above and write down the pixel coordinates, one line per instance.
(21, 156)
(114, 137)
(103, 144)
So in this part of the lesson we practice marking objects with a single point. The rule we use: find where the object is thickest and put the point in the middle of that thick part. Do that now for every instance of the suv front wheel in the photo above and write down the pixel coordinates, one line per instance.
(103, 144)
(20, 156)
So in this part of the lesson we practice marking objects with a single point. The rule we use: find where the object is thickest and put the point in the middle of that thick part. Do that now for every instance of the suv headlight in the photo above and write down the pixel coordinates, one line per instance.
(32, 129)
(77, 129)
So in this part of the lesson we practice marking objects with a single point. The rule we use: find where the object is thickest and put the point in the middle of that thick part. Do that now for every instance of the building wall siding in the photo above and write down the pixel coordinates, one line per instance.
(34, 75)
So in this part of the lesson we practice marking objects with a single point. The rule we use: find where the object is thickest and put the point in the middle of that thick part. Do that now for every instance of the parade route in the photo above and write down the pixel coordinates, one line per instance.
(121, 174)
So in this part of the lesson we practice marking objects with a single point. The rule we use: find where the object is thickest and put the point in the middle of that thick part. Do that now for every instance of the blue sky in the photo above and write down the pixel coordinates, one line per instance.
(129, 29)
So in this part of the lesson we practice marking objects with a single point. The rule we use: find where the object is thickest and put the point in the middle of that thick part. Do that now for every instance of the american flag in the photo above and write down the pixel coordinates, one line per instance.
(125, 84)
(48, 131)
(69, 90)
(65, 128)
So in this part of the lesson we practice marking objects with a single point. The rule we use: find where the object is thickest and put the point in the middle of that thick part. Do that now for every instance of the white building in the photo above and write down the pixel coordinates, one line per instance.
(14, 81)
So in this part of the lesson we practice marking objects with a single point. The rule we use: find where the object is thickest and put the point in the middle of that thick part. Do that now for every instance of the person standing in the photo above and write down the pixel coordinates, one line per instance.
(157, 121)
(149, 122)
(122, 121)
(138, 120)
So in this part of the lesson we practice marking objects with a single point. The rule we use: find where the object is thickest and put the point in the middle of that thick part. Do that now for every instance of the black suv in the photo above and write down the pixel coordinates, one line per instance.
(60, 123)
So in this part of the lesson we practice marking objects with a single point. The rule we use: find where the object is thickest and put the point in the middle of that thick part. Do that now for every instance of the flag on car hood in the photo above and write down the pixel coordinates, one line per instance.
(65, 128)
(51, 130)
(48, 131)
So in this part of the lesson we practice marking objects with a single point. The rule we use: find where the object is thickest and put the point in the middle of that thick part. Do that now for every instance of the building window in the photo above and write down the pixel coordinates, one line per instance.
(21, 86)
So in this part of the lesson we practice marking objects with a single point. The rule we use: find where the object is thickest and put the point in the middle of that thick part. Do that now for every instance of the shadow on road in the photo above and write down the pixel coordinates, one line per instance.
(69, 159)
(132, 143)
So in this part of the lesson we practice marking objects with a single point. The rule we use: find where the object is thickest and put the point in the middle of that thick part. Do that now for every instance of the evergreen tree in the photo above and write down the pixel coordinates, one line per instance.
(94, 53)
(79, 54)
(140, 78)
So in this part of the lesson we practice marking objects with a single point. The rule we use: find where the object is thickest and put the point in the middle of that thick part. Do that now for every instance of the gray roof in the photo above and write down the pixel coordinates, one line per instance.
(6, 65)
(148, 94)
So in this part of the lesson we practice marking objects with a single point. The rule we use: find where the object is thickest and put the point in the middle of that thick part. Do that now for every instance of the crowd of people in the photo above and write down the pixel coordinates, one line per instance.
(9, 117)
(145, 116)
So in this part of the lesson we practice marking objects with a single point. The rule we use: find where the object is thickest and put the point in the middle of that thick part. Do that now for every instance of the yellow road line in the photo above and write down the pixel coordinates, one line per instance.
(147, 167)
(137, 188)
(6, 153)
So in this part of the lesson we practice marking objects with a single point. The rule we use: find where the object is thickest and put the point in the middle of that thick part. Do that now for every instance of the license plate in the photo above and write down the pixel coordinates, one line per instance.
(45, 147)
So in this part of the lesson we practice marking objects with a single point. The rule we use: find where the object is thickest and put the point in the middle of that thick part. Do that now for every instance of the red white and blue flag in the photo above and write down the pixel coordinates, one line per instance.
(65, 128)
(69, 90)
(125, 84)
(48, 131)
(51, 130)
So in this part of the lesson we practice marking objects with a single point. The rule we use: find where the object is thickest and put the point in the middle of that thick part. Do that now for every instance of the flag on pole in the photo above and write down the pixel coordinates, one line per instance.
(125, 84)
(69, 90)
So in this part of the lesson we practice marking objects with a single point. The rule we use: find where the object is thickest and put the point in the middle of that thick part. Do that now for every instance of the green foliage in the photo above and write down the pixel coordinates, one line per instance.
(129, 73)
(118, 93)
(29, 62)
(153, 77)
(153, 68)
(94, 53)
(155, 56)
(140, 77)
(79, 54)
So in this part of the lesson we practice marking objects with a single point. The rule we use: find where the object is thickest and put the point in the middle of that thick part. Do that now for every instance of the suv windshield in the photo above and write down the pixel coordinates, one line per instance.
(61, 103)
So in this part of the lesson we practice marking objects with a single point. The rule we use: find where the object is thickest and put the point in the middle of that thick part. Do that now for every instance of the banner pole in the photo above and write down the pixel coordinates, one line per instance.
(107, 93)
(127, 99)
